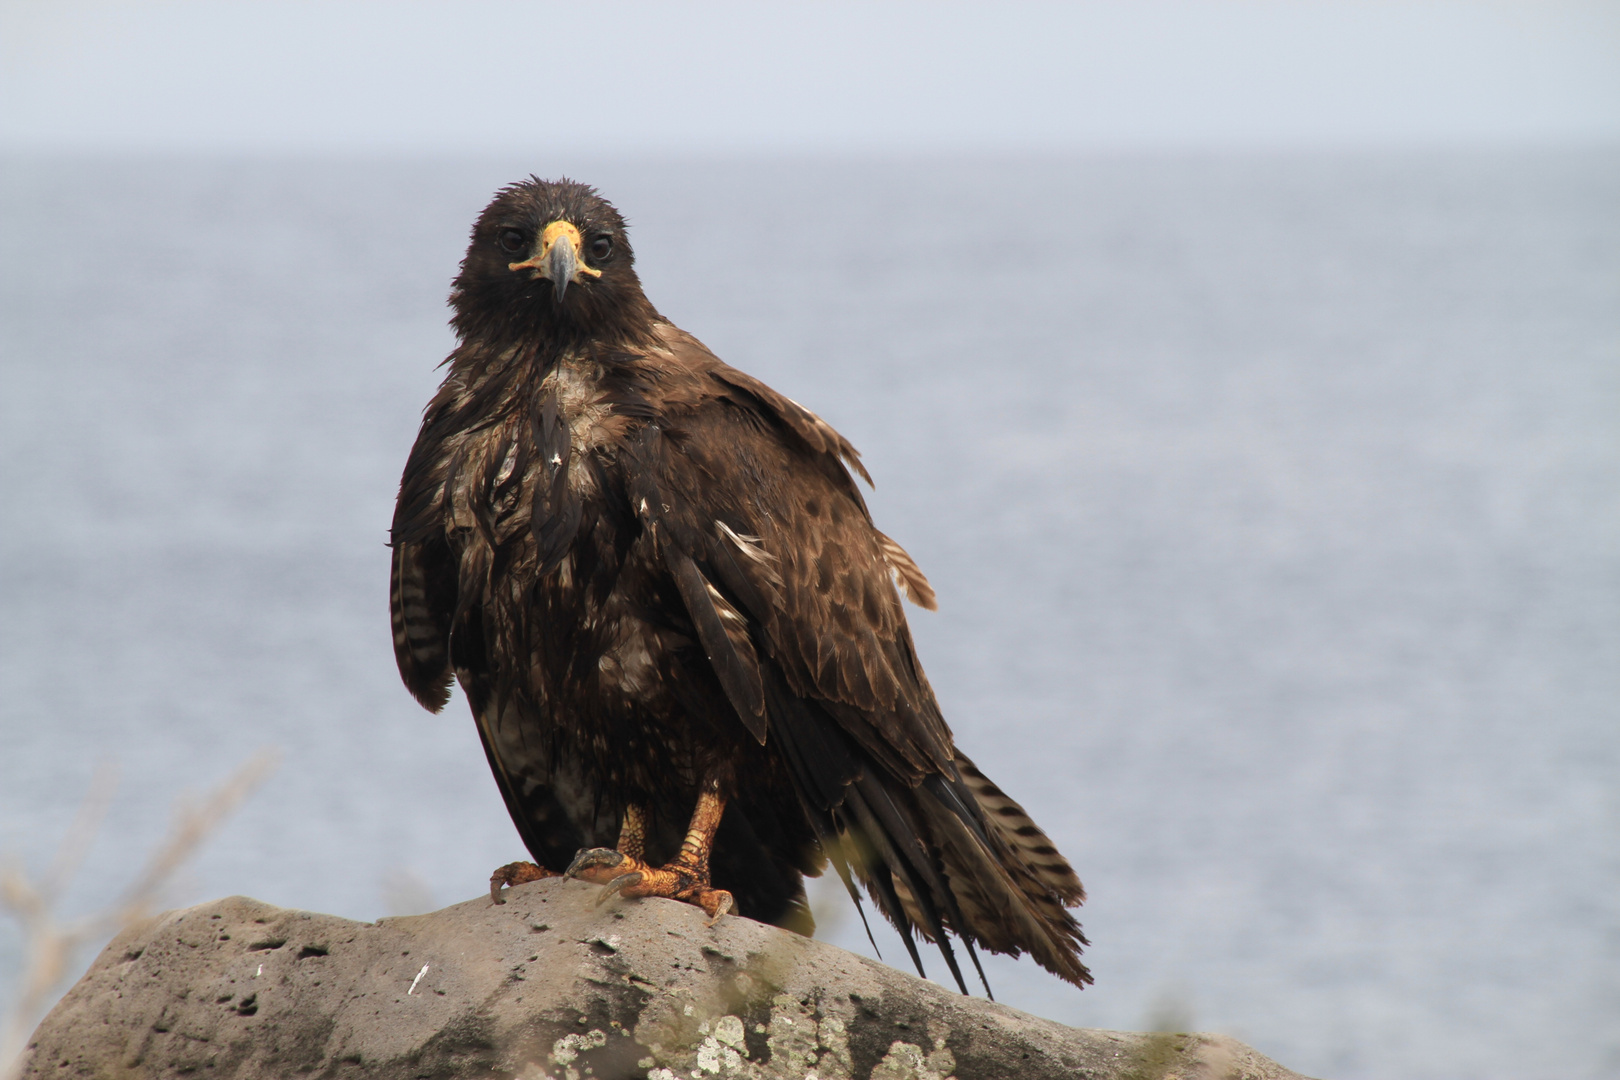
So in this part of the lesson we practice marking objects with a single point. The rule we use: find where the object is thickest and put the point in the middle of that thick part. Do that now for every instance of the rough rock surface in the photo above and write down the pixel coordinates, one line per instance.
(547, 985)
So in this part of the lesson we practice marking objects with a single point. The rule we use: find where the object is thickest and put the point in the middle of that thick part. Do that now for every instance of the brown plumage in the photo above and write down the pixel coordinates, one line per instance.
(661, 589)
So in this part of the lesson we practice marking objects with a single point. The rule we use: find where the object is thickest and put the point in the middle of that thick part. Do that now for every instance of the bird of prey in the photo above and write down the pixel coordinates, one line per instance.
(680, 632)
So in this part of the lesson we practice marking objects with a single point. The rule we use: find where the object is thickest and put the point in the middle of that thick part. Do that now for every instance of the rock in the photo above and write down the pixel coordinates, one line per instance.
(548, 985)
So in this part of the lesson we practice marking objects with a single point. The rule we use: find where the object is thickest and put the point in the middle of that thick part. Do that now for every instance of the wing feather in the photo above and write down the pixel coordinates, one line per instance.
(796, 598)
(908, 576)
(812, 429)
(724, 636)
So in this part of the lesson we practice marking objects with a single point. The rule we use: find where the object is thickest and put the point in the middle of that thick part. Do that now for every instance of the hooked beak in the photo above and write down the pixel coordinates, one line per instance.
(558, 260)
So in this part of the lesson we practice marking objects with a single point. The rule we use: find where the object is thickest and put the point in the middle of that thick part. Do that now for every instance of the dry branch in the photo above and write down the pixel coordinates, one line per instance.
(52, 946)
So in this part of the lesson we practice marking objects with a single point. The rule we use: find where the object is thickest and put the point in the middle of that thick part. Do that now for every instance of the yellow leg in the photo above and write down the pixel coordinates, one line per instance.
(633, 833)
(686, 877)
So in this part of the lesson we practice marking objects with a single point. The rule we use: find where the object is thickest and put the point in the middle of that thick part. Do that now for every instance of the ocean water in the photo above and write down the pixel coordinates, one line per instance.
(1273, 504)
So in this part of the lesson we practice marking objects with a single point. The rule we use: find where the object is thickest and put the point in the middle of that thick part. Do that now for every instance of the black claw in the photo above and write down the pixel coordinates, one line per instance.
(593, 857)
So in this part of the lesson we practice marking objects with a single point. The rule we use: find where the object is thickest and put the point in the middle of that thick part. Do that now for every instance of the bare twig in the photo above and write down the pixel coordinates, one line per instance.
(51, 946)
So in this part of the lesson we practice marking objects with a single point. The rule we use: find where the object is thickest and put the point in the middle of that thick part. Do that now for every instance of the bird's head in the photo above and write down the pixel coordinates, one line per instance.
(548, 258)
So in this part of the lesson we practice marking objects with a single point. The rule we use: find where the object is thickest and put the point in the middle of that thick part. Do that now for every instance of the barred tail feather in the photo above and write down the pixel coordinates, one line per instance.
(1005, 905)
(421, 630)
(970, 884)
(1009, 821)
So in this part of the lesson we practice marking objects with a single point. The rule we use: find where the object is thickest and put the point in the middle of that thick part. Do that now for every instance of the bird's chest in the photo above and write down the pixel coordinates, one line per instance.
(520, 486)
(575, 419)
(595, 581)
(575, 597)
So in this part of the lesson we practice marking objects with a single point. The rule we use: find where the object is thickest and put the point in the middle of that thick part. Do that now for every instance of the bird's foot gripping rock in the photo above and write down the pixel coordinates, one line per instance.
(621, 875)
(515, 873)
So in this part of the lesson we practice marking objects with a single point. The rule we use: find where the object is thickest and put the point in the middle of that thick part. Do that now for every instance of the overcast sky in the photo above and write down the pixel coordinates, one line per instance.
(627, 76)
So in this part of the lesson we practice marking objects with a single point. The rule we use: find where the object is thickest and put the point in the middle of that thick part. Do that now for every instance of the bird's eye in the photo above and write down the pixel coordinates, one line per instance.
(601, 248)
(512, 240)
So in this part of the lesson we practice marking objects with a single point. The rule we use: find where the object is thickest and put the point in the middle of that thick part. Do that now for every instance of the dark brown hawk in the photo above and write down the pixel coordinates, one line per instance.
(660, 588)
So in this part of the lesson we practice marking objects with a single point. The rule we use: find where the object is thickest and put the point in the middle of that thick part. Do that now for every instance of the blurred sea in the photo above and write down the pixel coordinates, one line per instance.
(1273, 504)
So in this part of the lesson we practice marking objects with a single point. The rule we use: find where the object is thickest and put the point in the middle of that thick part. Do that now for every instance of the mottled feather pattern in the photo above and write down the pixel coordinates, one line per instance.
(557, 509)
(651, 571)
(836, 570)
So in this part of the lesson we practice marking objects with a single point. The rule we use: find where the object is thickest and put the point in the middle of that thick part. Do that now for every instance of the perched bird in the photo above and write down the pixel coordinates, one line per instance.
(678, 628)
